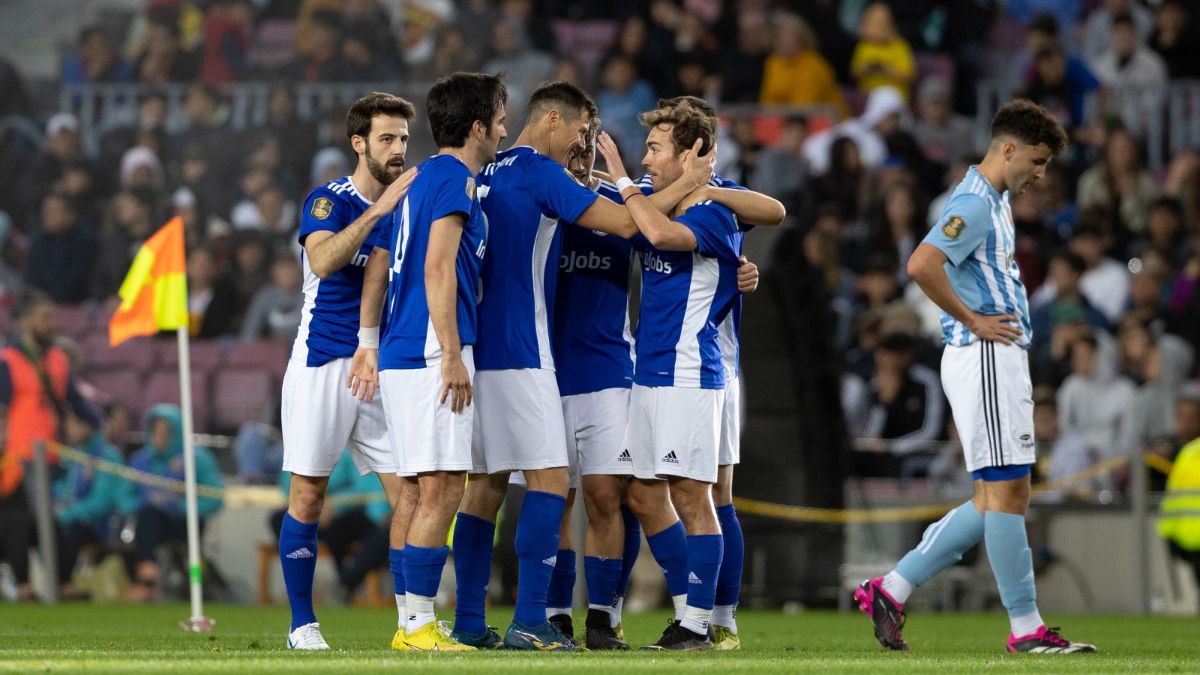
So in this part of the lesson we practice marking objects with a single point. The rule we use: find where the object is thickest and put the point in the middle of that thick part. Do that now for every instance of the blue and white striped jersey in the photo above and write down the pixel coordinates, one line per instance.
(329, 317)
(685, 297)
(977, 235)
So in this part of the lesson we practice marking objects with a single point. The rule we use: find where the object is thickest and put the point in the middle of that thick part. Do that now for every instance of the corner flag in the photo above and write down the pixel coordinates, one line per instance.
(154, 293)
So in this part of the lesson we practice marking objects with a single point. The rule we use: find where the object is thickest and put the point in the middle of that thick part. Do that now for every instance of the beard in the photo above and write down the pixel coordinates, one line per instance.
(379, 171)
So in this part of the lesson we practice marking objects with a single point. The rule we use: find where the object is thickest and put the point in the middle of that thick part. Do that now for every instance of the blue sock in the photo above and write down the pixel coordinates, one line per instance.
(562, 580)
(298, 558)
(704, 564)
(602, 576)
(943, 544)
(729, 580)
(536, 545)
(396, 565)
(472, 569)
(633, 546)
(670, 551)
(423, 569)
(1012, 562)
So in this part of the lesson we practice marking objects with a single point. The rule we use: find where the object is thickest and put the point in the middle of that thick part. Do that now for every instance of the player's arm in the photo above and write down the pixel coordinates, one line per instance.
(662, 232)
(364, 367)
(749, 206)
(606, 216)
(927, 268)
(329, 251)
(441, 290)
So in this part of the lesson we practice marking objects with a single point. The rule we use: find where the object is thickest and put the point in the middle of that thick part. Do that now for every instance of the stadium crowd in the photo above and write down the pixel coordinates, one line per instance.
(855, 114)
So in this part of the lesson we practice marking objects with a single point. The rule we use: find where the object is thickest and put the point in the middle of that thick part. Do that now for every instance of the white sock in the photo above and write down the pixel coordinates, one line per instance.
(614, 612)
(680, 602)
(420, 612)
(696, 619)
(725, 615)
(1025, 625)
(897, 587)
(555, 611)
(401, 611)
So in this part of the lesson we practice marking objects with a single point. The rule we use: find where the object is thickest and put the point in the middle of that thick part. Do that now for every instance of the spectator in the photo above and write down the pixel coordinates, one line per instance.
(1119, 184)
(1149, 289)
(323, 61)
(649, 57)
(1134, 76)
(451, 53)
(795, 73)
(1179, 520)
(164, 58)
(283, 122)
(211, 191)
(161, 512)
(1067, 450)
(11, 283)
(62, 148)
(1066, 13)
(227, 34)
(86, 497)
(883, 115)
(131, 219)
(327, 165)
(623, 97)
(361, 62)
(1096, 400)
(140, 168)
(116, 425)
(1041, 32)
(524, 67)
(742, 70)
(897, 226)
(903, 409)
(207, 127)
(820, 249)
(274, 312)
(79, 185)
(248, 269)
(1106, 281)
(149, 122)
(1060, 84)
(61, 253)
(97, 61)
(882, 58)
(1177, 40)
(269, 212)
(1099, 27)
(1159, 364)
(944, 136)
(213, 301)
(781, 170)
(1165, 231)
(1057, 321)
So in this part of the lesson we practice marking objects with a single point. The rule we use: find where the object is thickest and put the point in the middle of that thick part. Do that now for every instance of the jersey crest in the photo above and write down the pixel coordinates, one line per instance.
(953, 227)
(321, 208)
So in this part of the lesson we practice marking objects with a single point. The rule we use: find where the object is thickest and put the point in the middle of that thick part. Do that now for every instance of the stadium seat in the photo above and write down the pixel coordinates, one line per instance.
(122, 386)
(136, 355)
(271, 356)
(206, 355)
(163, 387)
(74, 321)
(240, 395)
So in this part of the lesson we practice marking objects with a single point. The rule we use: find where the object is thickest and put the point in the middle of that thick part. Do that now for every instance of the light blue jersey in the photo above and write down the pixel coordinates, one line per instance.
(976, 233)
(685, 297)
(329, 317)
(524, 194)
(444, 186)
(593, 346)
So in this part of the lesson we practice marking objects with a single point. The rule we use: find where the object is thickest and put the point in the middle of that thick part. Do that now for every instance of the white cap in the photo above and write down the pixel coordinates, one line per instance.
(63, 121)
(183, 198)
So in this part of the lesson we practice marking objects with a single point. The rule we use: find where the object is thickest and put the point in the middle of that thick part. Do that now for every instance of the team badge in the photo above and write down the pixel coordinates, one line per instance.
(470, 187)
(321, 208)
(954, 227)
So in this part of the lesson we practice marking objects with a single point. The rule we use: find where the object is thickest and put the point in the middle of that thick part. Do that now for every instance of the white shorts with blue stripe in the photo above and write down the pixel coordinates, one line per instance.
(991, 397)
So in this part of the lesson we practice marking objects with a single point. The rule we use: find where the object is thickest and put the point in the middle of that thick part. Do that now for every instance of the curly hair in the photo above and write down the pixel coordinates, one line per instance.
(688, 123)
(1029, 123)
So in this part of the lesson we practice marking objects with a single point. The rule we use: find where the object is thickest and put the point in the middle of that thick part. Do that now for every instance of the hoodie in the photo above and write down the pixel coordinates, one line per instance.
(872, 150)
(1101, 406)
(86, 495)
(168, 462)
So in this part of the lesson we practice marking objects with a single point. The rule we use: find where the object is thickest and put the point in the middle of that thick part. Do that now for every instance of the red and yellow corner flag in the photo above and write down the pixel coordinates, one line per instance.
(154, 293)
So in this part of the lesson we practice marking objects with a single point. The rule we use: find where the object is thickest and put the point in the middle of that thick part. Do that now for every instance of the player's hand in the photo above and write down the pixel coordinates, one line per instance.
(612, 156)
(1000, 328)
(395, 192)
(699, 168)
(363, 380)
(747, 275)
(456, 384)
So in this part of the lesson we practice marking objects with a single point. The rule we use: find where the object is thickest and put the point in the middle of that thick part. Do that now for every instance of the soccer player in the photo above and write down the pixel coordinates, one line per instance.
(688, 288)
(319, 420)
(429, 264)
(519, 422)
(965, 265)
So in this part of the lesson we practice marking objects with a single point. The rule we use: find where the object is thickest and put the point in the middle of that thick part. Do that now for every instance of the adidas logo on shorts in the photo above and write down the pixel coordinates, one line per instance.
(551, 561)
(693, 579)
(670, 458)
(624, 456)
(299, 554)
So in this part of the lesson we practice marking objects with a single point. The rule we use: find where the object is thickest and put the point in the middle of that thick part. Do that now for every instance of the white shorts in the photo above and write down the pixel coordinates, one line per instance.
(731, 423)
(427, 436)
(991, 397)
(674, 431)
(518, 421)
(595, 427)
(321, 418)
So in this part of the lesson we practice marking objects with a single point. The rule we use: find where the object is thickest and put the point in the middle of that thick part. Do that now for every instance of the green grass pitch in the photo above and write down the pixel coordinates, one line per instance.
(127, 639)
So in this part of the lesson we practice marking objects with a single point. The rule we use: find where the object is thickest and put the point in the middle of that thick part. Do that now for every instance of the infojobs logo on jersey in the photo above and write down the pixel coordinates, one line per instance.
(569, 262)
(652, 262)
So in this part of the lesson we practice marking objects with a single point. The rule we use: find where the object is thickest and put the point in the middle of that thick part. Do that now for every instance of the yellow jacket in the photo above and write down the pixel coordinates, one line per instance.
(804, 79)
(896, 54)
(1179, 516)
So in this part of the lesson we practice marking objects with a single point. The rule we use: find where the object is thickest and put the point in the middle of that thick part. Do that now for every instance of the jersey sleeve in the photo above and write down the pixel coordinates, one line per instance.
(558, 193)
(455, 194)
(962, 228)
(381, 235)
(322, 211)
(715, 228)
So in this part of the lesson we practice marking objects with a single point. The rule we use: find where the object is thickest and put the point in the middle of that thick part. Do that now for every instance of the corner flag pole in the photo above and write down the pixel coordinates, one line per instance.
(197, 622)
